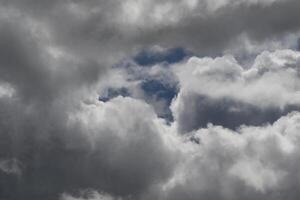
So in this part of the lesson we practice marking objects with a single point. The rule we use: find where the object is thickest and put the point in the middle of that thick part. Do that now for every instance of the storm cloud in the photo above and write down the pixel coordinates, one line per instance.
(120, 100)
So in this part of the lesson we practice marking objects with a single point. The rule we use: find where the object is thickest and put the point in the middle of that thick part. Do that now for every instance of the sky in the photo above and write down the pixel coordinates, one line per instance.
(149, 99)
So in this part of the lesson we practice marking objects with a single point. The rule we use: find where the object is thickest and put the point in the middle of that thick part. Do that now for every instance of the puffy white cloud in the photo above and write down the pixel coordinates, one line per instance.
(212, 90)
(250, 163)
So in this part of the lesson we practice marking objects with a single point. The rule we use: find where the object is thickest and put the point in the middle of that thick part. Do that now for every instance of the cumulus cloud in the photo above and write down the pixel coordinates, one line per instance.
(235, 129)
(223, 92)
(250, 163)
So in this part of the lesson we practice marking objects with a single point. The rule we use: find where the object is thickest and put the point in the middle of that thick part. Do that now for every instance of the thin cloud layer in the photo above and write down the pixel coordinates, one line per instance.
(212, 114)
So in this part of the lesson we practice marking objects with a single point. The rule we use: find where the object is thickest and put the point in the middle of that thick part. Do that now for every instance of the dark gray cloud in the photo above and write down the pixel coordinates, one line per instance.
(207, 32)
(42, 155)
(67, 156)
(30, 69)
(200, 110)
(205, 27)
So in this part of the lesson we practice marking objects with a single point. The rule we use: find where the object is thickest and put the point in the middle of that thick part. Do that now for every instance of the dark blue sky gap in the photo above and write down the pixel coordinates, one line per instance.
(170, 56)
(160, 91)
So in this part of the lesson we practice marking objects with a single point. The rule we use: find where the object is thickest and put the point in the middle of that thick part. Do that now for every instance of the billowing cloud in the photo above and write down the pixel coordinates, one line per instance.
(86, 28)
(222, 92)
(96, 147)
(120, 100)
(250, 163)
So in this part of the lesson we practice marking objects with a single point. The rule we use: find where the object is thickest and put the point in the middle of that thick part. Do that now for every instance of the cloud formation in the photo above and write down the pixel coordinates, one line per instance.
(211, 114)
(222, 92)
(250, 163)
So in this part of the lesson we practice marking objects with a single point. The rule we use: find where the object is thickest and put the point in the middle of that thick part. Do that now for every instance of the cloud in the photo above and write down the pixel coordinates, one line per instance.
(122, 27)
(250, 163)
(11, 166)
(58, 141)
(204, 26)
(90, 195)
(222, 92)
(96, 146)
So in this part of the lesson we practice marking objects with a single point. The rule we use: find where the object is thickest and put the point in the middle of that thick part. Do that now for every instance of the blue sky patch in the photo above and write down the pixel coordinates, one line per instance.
(160, 91)
(148, 57)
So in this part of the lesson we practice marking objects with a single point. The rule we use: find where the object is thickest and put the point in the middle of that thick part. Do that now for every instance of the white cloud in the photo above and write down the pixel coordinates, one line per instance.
(6, 90)
(91, 195)
(11, 166)
(272, 82)
(249, 163)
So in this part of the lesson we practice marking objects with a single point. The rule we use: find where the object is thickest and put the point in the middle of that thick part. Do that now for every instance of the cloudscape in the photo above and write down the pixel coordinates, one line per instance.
(149, 99)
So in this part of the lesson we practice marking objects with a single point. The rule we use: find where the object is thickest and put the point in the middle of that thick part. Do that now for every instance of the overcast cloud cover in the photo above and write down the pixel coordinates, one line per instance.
(149, 99)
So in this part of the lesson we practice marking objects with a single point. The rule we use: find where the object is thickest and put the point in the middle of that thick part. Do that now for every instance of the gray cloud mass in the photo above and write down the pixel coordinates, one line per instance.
(235, 100)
